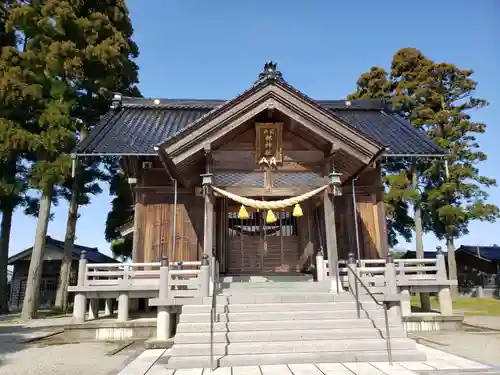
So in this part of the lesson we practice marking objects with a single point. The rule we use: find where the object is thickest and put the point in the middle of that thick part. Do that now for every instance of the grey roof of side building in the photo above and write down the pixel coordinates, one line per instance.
(93, 254)
(139, 125)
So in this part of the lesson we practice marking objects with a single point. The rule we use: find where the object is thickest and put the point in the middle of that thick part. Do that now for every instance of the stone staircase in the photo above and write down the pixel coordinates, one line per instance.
(286, 323)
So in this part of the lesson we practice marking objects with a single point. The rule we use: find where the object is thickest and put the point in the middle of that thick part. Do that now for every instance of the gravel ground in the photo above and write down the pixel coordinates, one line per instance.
(18, 358)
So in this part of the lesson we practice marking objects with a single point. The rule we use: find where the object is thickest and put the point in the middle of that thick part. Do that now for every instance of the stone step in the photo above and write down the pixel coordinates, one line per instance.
(246, 297)
(345, 345)
(281, 325)
(293, 279)
(281, 315)
(292, 335)
(191, 361)
(277, 307)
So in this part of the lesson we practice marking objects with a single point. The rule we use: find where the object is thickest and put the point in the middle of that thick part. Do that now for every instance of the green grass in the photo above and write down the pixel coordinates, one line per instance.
(469, 306)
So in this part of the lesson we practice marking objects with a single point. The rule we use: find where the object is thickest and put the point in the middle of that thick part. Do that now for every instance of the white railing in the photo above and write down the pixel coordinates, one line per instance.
(372, 271)
(141, 274)
(407, 275)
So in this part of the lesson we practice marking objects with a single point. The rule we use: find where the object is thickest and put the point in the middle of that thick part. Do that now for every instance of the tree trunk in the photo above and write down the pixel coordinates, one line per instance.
(452, 266)
(31, 296)
(69, 240)
(7, 212)
(425, 303)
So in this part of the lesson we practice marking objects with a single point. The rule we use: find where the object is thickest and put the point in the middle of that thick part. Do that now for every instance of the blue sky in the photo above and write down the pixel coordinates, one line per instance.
(215, 49)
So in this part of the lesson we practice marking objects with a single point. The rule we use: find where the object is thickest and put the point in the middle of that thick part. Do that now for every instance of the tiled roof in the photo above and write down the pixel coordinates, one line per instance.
(486, 252)
(93, 255)
(138, 124)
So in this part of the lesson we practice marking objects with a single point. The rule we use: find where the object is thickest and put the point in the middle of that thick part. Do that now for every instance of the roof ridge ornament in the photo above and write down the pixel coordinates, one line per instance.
(270, 72)
(116, 102)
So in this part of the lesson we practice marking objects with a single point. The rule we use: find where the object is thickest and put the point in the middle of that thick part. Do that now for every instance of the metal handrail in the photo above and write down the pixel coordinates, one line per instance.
(213, 311)
(379, 303)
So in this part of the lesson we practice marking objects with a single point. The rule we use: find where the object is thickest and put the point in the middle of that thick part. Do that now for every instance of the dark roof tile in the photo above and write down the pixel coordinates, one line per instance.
(141, 124)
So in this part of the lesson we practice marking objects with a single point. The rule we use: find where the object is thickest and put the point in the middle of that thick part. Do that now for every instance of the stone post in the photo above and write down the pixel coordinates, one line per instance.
(80, 301)
(405, 301)
(108, 307)
(205, 276)
(123, 307)
(351, 261)
(391, 286)
(163, 316)
(390, 275)
(320, 266)
(353, 282)
(444, 295)
(93, 308)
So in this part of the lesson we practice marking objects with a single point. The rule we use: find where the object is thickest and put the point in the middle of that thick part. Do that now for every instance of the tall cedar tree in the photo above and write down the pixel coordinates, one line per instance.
(437, 98)
(82, 51)
(19, 96)
(106, 52)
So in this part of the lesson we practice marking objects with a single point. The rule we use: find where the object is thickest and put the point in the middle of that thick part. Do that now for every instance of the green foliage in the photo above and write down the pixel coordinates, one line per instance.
(60, 62)
(122, 212)
(436, 98)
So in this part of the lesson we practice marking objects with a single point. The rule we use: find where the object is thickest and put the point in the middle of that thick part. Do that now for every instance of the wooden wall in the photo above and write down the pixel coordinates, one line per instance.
(371, 217)
(154, 221)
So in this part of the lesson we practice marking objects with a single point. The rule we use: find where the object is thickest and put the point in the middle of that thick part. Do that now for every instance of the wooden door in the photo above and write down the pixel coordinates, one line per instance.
(255, 247)
(280, 244)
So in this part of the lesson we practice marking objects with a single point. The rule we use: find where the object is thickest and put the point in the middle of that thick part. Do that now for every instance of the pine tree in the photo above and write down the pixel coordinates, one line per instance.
(437, 98)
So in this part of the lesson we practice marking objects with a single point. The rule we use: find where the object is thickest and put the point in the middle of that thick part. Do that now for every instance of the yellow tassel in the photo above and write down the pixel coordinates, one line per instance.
(270, 218)
(243, 213)
(297, 211)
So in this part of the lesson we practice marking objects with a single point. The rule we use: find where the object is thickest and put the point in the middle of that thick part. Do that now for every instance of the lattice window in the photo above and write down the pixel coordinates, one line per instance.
(287, 179)
(255, 179)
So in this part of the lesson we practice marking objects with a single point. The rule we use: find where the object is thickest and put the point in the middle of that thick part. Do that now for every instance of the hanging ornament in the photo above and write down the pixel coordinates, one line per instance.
(243, 213)
(270, 218)
(297, 211)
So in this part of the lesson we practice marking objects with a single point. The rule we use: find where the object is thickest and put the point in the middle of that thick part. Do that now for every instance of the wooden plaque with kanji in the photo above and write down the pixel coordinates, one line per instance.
(269, 137)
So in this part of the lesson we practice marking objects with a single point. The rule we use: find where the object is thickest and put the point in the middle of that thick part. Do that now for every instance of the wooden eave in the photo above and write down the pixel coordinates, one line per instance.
(273, 95)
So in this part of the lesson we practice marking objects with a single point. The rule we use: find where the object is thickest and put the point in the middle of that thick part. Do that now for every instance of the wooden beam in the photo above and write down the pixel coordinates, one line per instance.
(170, 168)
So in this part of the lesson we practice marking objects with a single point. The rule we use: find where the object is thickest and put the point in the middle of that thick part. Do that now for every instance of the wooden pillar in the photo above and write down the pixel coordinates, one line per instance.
(380, 216)
(331, 239)
(137, 253)
(208, 225)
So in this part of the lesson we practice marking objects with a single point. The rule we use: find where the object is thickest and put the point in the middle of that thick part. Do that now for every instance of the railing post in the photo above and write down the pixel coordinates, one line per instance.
(445, 301)
(391, 285)
(205, 276)
(80, 301)
(353, 281)
(109, 308)
(163, 312)
(390, 276)
(93, 308)
(390, 308)
(320, 266)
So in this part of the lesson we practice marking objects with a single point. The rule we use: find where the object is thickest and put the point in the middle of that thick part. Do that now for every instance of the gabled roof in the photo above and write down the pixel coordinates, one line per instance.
(137, 125)
(93, 255)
